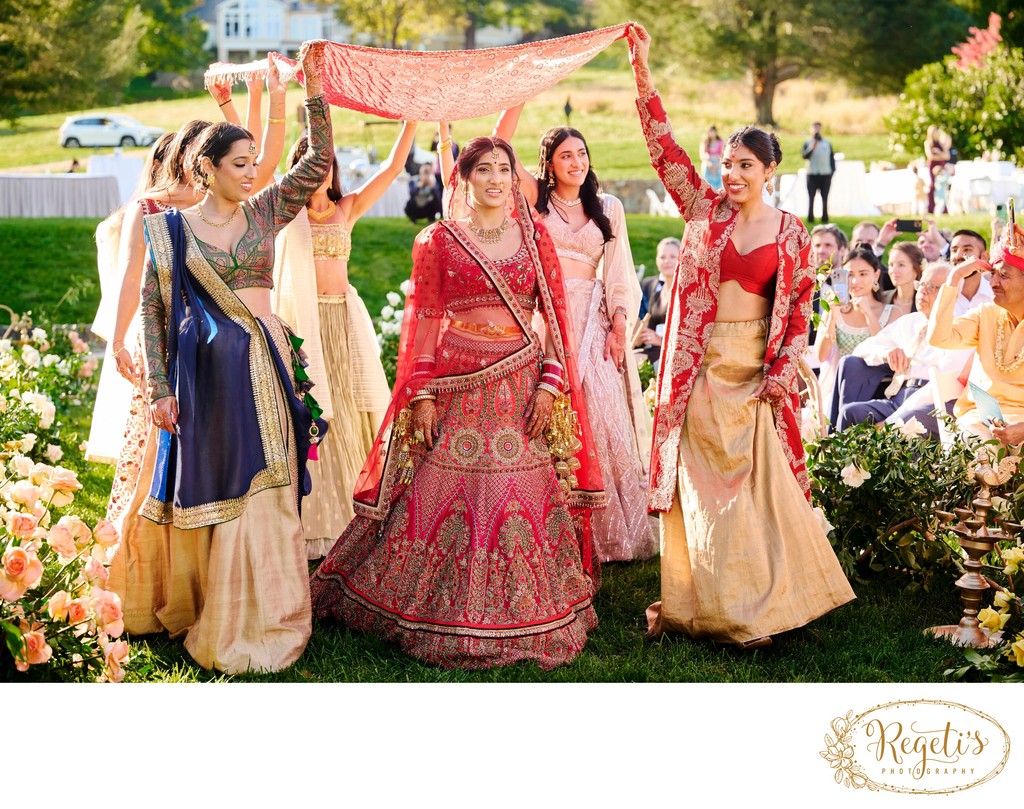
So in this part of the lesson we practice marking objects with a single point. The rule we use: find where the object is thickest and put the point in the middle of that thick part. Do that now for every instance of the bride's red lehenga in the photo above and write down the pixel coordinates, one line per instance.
(470, 554)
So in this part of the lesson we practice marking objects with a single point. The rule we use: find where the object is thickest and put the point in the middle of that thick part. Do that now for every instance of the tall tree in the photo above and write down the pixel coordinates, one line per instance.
(532, 16)
(388, 23)
(65, 54)
(174, 39)
(872, 44)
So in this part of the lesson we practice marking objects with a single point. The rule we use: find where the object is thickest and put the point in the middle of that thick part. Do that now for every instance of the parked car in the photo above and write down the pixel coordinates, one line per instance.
(106, 130)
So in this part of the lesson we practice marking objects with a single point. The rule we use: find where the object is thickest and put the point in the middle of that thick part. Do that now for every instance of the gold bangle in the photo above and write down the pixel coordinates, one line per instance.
(444, 147)
(275, 120)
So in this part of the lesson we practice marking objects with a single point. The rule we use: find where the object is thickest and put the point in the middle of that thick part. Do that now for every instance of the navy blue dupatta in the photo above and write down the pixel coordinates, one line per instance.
(220, 359)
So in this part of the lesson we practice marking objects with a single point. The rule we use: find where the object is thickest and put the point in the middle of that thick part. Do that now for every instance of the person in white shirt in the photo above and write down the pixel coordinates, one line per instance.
(976, 289)
(903, 349)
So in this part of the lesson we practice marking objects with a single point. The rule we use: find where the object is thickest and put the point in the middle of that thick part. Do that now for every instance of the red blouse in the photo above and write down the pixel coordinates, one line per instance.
(754, 271)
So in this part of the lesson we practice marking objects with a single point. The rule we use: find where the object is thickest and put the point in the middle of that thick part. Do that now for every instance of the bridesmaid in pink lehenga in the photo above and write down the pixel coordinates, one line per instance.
(589, 232)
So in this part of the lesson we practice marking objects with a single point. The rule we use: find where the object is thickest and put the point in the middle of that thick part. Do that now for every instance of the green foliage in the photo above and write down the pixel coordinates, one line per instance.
(55, 54)
(980, 107)
(173, 41)
(884, 524)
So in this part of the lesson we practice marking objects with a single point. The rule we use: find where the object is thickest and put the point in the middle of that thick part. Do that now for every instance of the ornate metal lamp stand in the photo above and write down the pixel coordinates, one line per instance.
(977, 539)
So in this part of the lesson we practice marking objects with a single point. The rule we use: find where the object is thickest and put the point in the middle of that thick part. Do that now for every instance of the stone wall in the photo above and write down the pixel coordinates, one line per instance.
(633, 193)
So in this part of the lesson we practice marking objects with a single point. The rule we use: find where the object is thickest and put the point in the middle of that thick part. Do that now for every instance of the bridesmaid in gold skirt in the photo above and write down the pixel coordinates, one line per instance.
(312, 256)
(743, 556)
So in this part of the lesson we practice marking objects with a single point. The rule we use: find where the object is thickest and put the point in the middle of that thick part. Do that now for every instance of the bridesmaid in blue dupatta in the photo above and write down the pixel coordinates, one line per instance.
(230, 396)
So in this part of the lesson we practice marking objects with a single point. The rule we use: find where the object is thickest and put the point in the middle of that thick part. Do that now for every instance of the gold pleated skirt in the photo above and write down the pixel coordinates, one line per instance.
(238, 591)
(328, 510)
(742, 553)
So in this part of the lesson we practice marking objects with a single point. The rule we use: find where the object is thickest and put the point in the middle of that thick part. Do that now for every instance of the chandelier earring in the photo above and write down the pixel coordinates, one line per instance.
(551, 179)
(875, 287)
(770, 186)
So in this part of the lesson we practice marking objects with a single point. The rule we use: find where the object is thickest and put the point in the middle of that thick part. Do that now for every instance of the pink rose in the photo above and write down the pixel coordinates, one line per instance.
(35, 649)
(79, 530)
(107, 606)
(78, 611)
(72, 336)
(57, 606)
(64, 480)
(21, 525)
(60, 540)
(115, 653)
(88, 368)
(54, 452)
(105, 534)
(96, 572)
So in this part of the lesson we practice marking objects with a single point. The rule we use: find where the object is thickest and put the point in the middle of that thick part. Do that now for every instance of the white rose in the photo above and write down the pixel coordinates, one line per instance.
(39, 335)
(27, 442)
(826, 526)
(3, 404)
(50, 359)
(54, 453)
(394, 299)
(22, 465)
(387, 312)
(5, 346)
(400, 315)
(30, 356)
(405, 286)
(854, 476)
(912, 428)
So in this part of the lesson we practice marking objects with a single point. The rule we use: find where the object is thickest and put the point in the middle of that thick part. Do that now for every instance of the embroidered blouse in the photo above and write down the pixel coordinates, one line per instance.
(585, 244)
(465, 286)
(331, 241)
(252, 263)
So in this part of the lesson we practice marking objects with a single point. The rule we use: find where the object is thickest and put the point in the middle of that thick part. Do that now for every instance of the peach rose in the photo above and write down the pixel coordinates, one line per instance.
(107, 606)
(28, 440)
(105, 534)
(78, 611)
(35, 649)
(20, 572)
(96, 572)
(40, 473)
(54, 452)
(57, 606)
(21, 525)
(88, 368)
(60, 540)
(64, 480)
(114, 654)
(79, 530)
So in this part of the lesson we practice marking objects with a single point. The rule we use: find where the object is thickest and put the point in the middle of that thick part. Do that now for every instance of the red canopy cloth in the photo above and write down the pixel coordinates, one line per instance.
(435, 85)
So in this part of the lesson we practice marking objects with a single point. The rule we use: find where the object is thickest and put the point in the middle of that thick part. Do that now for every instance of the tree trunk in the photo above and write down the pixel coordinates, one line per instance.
(469, 33)
(764, 84)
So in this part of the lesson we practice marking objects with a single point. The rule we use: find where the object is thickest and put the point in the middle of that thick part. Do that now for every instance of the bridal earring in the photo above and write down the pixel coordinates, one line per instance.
(770, 186)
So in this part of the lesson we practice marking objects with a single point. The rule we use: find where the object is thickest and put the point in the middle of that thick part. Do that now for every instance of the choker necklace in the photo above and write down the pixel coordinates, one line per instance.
(491, 235)
(574, 204)
(230, 219)
(323, 216)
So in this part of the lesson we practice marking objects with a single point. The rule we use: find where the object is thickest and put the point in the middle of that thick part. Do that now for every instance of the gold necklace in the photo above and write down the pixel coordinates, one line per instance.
(327, 213)
(573, 204)
(1001, 341)
(230, 219)
(491, 235)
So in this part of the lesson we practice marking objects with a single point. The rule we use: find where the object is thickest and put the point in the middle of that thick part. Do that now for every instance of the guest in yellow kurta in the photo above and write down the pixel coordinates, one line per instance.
(996, 331)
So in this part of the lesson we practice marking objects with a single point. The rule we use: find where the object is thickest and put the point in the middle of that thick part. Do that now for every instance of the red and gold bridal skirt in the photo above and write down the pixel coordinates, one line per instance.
(477, 563)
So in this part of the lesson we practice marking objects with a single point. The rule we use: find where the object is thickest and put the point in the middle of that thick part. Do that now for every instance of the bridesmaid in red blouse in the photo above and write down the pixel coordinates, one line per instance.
(743, 555)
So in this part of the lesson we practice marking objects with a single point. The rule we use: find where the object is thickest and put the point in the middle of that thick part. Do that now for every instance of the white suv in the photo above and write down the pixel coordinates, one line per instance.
(105, 130)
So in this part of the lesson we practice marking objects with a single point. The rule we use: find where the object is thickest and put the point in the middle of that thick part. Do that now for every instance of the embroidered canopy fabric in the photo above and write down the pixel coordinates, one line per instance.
(434, 85)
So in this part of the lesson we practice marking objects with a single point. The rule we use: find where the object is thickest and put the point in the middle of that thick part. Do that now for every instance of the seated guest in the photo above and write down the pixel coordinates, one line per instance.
(424, 196)
(899, 351)
(869, 233)
(906, 263)
(828, 250)
(975, 290)
(656, 294)
(994, 330)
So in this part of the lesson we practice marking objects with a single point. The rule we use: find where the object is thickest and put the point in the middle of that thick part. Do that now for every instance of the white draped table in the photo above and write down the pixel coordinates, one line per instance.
(62, 195)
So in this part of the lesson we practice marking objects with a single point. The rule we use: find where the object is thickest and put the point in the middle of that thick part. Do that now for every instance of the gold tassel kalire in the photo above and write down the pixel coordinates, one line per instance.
(401, 434)
(563, 442)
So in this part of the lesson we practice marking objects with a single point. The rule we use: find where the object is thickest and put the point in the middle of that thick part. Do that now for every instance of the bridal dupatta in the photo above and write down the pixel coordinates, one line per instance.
(428, 85)
(381, 482)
